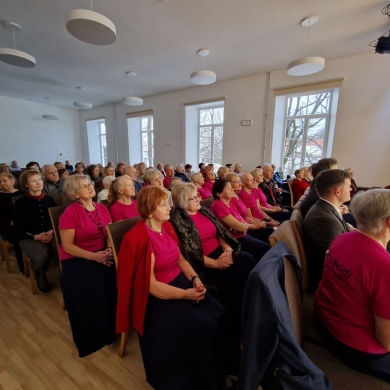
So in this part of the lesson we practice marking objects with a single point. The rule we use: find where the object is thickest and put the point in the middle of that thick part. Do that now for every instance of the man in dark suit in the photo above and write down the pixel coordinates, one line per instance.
(324, 221)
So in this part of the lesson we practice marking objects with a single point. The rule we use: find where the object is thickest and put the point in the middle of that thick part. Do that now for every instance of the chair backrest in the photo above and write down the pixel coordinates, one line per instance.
(294, 299)
(16, 198)
(285, 233)
(296, 220)
(292, 197)
(207, 202)
(55, 213)
(64, 199)
(105, 202)
(116, 231)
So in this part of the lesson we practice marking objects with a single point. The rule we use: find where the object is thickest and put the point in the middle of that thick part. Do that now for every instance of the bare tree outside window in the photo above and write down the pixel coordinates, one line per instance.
(211, 136)
(307, 122)
(147, 141)
(103, 143)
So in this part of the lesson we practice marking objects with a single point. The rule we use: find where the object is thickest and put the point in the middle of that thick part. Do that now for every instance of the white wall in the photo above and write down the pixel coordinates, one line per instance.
(362, 135)
(25, 136)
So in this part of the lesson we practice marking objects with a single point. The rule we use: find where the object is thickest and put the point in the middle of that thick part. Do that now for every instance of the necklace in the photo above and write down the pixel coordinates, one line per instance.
(97, 223)
(156, 231)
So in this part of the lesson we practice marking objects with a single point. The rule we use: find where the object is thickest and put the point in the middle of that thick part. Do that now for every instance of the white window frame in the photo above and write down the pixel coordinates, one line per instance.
(150, 161)
(103, 158)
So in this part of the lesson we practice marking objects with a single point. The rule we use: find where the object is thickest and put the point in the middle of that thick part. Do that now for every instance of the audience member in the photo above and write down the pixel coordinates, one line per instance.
(160, 168)
(154, 178)
(132, 172)
(88, 279)
(34, 165)
(180, 174)
(270, 190)
(237, 168)
(93, 173)
(229, 216)
(324, 221)
(120, 169)
(198, 179)
(173, 181)
(52, 185)
(103, 194)
(63, 174)
(222, 171)
(307, 174)
(207, 188)
(230, 166)
(299, 185)
(353, 183)
(59, 165)
(4, 167)
(79, 169)
(120, 201)
(352, 300)
(157, 289)
(7, 229)
(33, 227)
(68, 166)
(141, 172)
(187, 171)
(169, 172)
(14, 166)
(202, 168)
(100, 170)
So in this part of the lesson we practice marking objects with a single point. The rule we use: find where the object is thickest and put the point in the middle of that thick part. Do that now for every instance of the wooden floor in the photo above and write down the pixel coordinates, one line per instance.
(37, 350)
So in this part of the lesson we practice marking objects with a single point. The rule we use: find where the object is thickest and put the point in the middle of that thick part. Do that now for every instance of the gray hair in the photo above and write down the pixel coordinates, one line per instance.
(107, 180)
(222, 170)
(150, 174)
(180, 194)
(194, 176)
(256, 172)
(230, 176)
(43, 169)
(72, 184)
(370, 210)
(172, 180)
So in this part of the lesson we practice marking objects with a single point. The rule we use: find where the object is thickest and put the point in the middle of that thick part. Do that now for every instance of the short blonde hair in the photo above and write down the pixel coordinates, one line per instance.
(7, 175)
(230, 176)
(256, 172)
(72, 184)
(148, 198)
(222, 170)
(194, 176)
(180, 194)
(150, 174)
(114, 187)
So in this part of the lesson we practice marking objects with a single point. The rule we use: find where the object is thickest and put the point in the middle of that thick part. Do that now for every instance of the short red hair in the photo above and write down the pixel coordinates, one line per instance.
(148, 198)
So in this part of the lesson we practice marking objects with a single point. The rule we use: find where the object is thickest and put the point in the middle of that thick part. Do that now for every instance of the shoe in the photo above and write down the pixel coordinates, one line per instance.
(45, 288)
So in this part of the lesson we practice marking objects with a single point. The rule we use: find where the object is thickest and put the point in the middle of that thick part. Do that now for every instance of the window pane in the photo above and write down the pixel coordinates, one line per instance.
(315, 139)
(206, 117)
(218, 115)
(319, 103)
(297, 105)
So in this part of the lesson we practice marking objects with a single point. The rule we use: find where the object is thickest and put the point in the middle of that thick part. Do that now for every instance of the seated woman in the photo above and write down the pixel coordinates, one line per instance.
(225, 210)
(33, 226)
(198, 179)
(163, 298)
(63, 173)
(33, 165)
(120, 201)
(307, 174)
(353, 183)
(352, 300)
(260, 226)
(107, 171)
(207, 188)
(88, 279)
(93, 173)
(222, 172)
(153, 177)
(7, 230)
(5, 167)
(276, 212)
(299, 185)
(103, 194)
(79, 169)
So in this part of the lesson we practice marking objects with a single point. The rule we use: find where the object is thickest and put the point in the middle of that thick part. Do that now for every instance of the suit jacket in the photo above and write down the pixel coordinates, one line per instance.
(271, 355)
(321, 226)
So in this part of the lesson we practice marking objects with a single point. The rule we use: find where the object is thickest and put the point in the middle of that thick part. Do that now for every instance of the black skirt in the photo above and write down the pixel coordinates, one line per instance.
(182, 342)
(90, 296)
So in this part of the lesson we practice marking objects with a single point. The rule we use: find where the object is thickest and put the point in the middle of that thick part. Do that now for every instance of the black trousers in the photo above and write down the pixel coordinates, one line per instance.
(368, 363)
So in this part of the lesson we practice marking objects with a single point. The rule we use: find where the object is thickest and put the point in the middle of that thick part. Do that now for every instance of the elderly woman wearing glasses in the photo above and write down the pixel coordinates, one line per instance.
(120, 201)
(180, 325)
(88, 279)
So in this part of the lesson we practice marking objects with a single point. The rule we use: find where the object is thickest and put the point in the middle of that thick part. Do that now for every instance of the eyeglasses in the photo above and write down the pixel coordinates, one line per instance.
(194, 198)
(85, 186)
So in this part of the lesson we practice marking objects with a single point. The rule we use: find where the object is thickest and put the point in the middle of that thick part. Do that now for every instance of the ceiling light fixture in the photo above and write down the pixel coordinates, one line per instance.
(82, 105)
(90, 27)
(50, 117)
(13, 56)
(306, 65)
(132, 100)
(203, 77)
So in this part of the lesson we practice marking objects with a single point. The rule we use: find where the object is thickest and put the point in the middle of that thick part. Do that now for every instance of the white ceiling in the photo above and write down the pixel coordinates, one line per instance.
(159, 40)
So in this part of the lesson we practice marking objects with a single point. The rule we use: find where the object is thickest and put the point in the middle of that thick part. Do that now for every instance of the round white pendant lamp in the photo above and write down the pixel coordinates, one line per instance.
(12, 56)
(203, 77)
(90, 27)
(306, 65)
(132, 100)
(82, 105)
(50, 117)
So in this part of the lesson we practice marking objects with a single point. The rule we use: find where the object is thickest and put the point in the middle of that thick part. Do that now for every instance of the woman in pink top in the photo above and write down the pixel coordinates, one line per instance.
(120, 201)
(352, 300)
(198, 179)
(208, 183)
(88, 278)
(227, 213)
(180, 325)
(276, 212)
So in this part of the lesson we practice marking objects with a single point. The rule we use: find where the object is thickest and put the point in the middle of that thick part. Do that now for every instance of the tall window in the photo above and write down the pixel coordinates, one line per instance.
(147, 144)
(306, 129)
(211, 135)
(103, 143)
